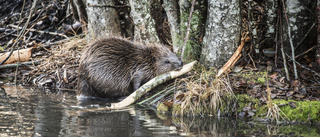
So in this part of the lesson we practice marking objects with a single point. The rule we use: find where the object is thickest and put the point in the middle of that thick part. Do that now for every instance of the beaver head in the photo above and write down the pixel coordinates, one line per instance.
(163, 59)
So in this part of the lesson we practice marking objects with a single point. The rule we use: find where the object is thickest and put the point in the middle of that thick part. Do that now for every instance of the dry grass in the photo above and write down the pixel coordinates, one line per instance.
(274, 112)
(207, 95)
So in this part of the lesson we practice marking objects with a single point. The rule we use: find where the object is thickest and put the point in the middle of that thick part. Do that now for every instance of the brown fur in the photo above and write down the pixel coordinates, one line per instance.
(115, 67)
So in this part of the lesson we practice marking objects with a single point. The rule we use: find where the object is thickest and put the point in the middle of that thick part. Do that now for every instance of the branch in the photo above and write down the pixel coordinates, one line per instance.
(235, 57)
(188, 30)
(151, 84)
(10, 66)
(40, 31)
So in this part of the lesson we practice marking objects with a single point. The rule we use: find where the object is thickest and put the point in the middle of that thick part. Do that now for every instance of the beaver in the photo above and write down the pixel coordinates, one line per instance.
(115, 67)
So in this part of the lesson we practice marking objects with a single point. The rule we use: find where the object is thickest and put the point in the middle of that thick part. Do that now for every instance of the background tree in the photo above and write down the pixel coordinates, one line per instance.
(144, 31)
(222, 32)
(178, 14)
(103, 19)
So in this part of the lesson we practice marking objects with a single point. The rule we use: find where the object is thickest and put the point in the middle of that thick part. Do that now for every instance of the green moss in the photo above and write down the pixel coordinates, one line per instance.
(261, 80)
(176, 109)
(244, 100)
(305, 111)
(257, 77)
(162, 108)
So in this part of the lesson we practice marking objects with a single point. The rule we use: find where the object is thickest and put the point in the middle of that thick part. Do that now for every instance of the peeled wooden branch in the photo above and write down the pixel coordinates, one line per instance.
(235, 57)
(151, 84)
(21, 55)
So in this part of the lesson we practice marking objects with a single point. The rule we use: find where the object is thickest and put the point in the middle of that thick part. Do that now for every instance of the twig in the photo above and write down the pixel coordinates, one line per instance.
(291, 43)
(283, 55)
(10, 66)
(304, 37)
(316, 73)
(39, 31)
(305, 52)
(188, 30)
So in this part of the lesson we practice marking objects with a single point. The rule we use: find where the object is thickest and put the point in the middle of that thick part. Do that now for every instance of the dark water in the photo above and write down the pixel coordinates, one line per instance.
(33, 112)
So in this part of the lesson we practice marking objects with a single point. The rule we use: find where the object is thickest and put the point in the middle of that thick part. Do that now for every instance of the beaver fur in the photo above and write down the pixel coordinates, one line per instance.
(115, 67)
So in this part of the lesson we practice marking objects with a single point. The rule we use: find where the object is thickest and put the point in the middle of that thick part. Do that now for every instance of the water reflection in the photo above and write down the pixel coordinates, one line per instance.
(31, 112)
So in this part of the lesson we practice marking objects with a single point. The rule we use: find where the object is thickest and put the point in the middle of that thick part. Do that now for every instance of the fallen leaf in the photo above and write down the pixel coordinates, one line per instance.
(273, 76)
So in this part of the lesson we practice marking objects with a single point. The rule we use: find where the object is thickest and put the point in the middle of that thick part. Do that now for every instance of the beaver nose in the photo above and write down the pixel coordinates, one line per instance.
(178, 64)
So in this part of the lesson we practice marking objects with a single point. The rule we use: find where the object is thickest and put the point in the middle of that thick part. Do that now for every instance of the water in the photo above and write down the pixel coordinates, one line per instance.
(33, 112)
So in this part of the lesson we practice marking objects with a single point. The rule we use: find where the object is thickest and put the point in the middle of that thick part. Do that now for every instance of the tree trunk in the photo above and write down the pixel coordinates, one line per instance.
(144, 31)
(103, 20)
(222, 32)
(300, 15)
(271, 10)
(171, 8)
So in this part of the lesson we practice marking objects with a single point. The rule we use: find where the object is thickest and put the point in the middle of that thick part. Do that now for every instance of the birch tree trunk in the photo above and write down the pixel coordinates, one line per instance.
(301, 15)
(103, 19)
(222, 33)
(144, 31)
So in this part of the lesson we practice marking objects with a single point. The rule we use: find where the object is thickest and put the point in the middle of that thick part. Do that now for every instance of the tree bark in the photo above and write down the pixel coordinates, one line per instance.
(222, 32)
(144, 31)
(103, 20)
(271, 10)
(301, 15)
(172, 10)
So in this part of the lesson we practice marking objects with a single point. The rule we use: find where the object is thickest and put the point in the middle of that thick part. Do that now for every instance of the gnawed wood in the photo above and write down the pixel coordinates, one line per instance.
(24, 55)
(151, 84)
(235, 57)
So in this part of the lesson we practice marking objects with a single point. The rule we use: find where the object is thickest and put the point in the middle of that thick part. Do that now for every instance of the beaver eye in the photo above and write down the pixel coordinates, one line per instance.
(167, 62)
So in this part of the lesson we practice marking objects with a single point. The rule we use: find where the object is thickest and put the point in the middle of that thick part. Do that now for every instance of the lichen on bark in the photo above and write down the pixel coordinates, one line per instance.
(144, 31)
(103, 20)
(222, 32)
